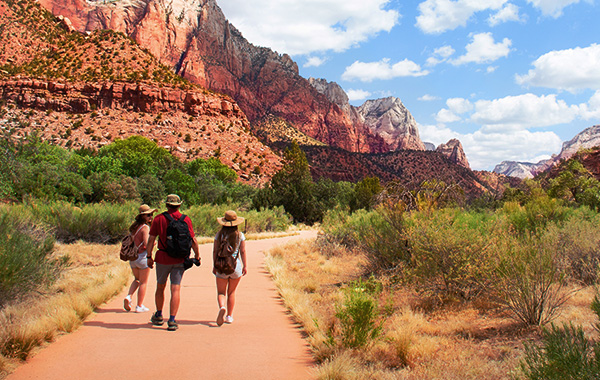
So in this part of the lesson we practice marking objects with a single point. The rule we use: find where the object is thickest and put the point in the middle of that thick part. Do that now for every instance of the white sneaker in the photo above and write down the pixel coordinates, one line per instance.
(127, 303)
(229, 319)
(141, 309)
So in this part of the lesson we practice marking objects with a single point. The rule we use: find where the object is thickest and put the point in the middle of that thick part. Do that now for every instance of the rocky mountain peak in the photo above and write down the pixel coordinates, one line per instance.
(588, 138)
(453, 150)
(389, 118)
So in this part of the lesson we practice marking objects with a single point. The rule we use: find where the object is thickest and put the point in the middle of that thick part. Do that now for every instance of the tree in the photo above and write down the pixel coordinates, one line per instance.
(364, 192)
(293, 187)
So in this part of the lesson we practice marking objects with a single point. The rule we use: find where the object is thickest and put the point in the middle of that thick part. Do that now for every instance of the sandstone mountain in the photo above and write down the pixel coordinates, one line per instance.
(101, 86)
(194, 37)
(453, 150)
(587, 139)
(390, 119)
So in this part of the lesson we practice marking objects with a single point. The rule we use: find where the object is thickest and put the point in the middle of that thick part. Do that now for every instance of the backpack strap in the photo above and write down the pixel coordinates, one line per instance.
(168, 216)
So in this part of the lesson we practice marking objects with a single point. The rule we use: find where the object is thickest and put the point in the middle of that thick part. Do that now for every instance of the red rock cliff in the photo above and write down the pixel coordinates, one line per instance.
(195, 38)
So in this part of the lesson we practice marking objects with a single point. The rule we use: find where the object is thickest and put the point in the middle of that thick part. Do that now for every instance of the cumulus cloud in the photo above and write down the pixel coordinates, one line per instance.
(459, 105)
(523, 111)
(483, 49)
(509, 12)
(445, 116)
(369, 71)
(357, 94)
(485, 149)
(591, 110)
(552, 8)
(314, 62)
(303, 27)
(438, 16)
(571, 69)
(440, 55)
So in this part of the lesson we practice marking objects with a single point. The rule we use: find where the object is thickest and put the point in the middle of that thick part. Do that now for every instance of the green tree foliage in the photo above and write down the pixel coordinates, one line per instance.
(365, 192)
(575, 184)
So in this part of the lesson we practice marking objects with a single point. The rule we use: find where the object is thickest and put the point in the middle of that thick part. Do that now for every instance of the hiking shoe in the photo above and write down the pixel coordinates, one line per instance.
(157, 320)
(229, 319)
(220, 316)
(172, 325)
(141, 309)
(127, 303)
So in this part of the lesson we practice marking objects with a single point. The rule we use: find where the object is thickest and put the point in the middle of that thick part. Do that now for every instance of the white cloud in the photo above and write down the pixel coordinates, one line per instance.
(522, 111)
(485, 150)
(428, 98)
(438, 16)
(369, 71)
(357, 94)
(446, 116)
(459, 105)
(510, 12)
(570, 69)
(483, 49)
(552, 8)
(491, 69)
(314, 62)
(591, 110)
(303, 27)
(440, 55)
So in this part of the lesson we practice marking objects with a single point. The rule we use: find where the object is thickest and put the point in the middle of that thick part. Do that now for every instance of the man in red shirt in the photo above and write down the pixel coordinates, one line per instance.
(167, 266)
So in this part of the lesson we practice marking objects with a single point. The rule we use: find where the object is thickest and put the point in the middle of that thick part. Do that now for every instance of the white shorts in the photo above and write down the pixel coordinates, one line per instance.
(236, 274)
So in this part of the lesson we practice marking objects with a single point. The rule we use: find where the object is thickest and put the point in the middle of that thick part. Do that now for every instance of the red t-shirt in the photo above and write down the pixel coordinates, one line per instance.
(159, 229)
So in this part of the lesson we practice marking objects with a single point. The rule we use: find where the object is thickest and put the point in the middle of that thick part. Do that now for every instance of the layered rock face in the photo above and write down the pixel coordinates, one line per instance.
(83, 97)
(390, 119)
(588, 138)
(453, 150)
(194, 37)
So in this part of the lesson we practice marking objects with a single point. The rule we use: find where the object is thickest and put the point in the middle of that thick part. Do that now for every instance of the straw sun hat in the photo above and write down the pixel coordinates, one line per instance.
(145, 209)
(230, 219)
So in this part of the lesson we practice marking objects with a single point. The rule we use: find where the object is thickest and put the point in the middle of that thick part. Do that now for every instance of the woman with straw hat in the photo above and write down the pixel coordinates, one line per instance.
(227, 283)
(140, 229)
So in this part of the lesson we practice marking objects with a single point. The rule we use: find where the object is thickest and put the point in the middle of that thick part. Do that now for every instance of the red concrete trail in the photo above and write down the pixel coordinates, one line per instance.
(262, 343)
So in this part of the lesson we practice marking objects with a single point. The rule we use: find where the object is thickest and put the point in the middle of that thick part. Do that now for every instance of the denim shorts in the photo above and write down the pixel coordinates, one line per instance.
(236, 274)
(141, 262)
(175, 271)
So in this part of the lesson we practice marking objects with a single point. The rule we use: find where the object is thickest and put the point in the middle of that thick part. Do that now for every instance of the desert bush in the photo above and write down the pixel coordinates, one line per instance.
(24, 251)
(536, 214)
(451, 253)
(529, 281)
(565, 354)
(98, 222)
(358, 316)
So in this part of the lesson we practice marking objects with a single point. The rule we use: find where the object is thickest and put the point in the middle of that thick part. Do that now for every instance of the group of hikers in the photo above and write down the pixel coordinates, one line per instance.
(146, 229)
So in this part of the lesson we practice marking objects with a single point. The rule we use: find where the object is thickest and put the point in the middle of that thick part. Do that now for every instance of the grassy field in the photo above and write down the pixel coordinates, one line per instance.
(473, 340)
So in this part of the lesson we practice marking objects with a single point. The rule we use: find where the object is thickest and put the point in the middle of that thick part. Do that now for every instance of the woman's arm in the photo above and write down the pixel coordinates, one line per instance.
(243, 253)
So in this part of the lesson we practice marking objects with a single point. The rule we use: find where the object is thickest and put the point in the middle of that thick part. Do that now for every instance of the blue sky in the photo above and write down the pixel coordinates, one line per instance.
(510, 79)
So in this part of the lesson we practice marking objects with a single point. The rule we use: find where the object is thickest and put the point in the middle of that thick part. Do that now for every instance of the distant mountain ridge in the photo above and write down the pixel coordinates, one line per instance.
(586, 139)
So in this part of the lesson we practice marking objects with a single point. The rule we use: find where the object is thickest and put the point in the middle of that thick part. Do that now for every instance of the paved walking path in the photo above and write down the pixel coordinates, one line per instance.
(262, 343)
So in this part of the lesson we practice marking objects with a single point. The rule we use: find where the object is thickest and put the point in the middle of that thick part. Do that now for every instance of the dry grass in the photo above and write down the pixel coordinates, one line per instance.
(95, 275)
(473, 341)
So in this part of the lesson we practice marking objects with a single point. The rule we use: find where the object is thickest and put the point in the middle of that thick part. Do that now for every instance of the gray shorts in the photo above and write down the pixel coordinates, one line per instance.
(236, 274)
(163, 271)
(141, 262)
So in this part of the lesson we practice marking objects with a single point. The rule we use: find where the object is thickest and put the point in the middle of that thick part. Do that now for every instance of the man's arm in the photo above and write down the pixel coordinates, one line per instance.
(196, 248)
(150, 249)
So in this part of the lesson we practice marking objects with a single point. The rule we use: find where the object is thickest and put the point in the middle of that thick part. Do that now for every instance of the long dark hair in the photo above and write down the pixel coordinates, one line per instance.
(139, 220)
(231, 234)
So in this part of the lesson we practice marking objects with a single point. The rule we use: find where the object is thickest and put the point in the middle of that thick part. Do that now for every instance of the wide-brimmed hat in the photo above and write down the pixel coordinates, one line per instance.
(145, 209)
(173, 200)
(230, 219)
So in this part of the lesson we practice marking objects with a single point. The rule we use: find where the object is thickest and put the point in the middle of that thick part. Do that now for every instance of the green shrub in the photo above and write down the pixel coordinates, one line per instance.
(97, 223)
(358, 317)
(25, 264)
(529, 281)
(451, 253)
(565, 354)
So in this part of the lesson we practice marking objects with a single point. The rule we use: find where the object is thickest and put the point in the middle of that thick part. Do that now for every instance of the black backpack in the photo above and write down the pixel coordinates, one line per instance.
(179, 239)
